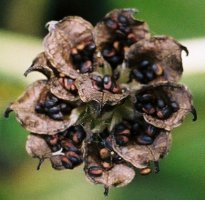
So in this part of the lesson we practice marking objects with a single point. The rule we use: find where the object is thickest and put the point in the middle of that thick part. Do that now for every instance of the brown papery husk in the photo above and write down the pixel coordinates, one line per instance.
(163, 51)
(175, 92)
(24, 107)
(118, 176)
(104, 35)
(140, 156)
(62, 37)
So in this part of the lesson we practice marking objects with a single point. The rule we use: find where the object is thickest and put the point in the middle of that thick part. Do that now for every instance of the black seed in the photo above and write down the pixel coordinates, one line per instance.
(122, 19)
(53, 98)
(138, 75)
(91, 48)
(148, 108)
(66, 163)
(151, 131)
(164, 113)
(150, 75)
(160, 103)
(58, 116)
(49, 104)
(115, 60)
(39, 109)
(158, 70)
(120, 33)
(144, 139)
(77, 59)
(86, 67)
(75, 160)
(175, 106)
(135, 129)
(108, 52)
(99, 81)
(55, 148)
(145, 98)
(144, 63)
(120, 127)
(110, 23)
(106, 79)
(54, 110)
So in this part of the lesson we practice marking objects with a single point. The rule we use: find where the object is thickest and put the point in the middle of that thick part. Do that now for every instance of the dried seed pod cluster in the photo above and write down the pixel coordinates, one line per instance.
(110, 100)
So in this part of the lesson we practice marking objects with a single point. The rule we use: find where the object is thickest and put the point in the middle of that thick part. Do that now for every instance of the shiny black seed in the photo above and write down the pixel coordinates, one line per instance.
(138, 75)
(148, 108)
(106, 79)
(108, 52)
(91, 47)
(160, 103)
(144, 63)
(58, 116)
(122, 19)
(110, 23)
(99, 81)
(120, 34)
(67, 164)
(55, 148)
(86, 66)
(144, 140)
(151, 131)
(175, 106)
(53, 98)
(164, 113)
(54, 110)
(115, 60)
(39, 109)
(77, 59)
(150, 75)
(73, 149)
(120, 127)
(145, 98)
(49, 104)
(75, 160)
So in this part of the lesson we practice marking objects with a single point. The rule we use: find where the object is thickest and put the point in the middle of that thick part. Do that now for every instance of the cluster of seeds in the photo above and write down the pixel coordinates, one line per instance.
(82, 57)
(146, 71)
(113, 51)
(81, 114)
(53, 107)
(137, 131)
(159, 106)
(106, 83)
(69, 143)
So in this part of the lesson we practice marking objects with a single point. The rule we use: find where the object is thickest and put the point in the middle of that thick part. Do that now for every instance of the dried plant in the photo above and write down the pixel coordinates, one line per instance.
(110, 100)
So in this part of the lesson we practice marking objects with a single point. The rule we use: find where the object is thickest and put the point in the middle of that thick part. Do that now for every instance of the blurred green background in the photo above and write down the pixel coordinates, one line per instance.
(182, 175)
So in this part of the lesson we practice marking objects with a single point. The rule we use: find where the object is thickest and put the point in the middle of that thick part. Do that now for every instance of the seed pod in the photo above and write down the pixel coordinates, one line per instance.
(163, 54)
(117, 176)
(168, 118)
(65, 35)
(118, 26)
(24, 107)
(141, 155)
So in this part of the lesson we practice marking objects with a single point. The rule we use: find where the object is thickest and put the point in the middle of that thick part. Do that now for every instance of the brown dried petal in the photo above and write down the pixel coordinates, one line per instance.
(41, 64)
(118, 176)
(88, 93)
(24, 107)
(178, 93)
(105, 35)
(59, 91)
(141, 155)
(164, 51)
(64, 35)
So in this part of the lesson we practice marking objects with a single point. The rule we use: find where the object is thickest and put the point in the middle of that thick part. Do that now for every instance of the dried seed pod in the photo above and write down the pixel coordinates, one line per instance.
(88, 92)
(24, 107)
(118, 30)
(41, 64)
(179, 104)
(36, 147)
(141, 155)
(156, 59)
(117, 176)
(65, 35)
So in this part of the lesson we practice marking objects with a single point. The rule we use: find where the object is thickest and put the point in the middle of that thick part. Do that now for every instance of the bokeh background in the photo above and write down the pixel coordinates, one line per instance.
(182, 175)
